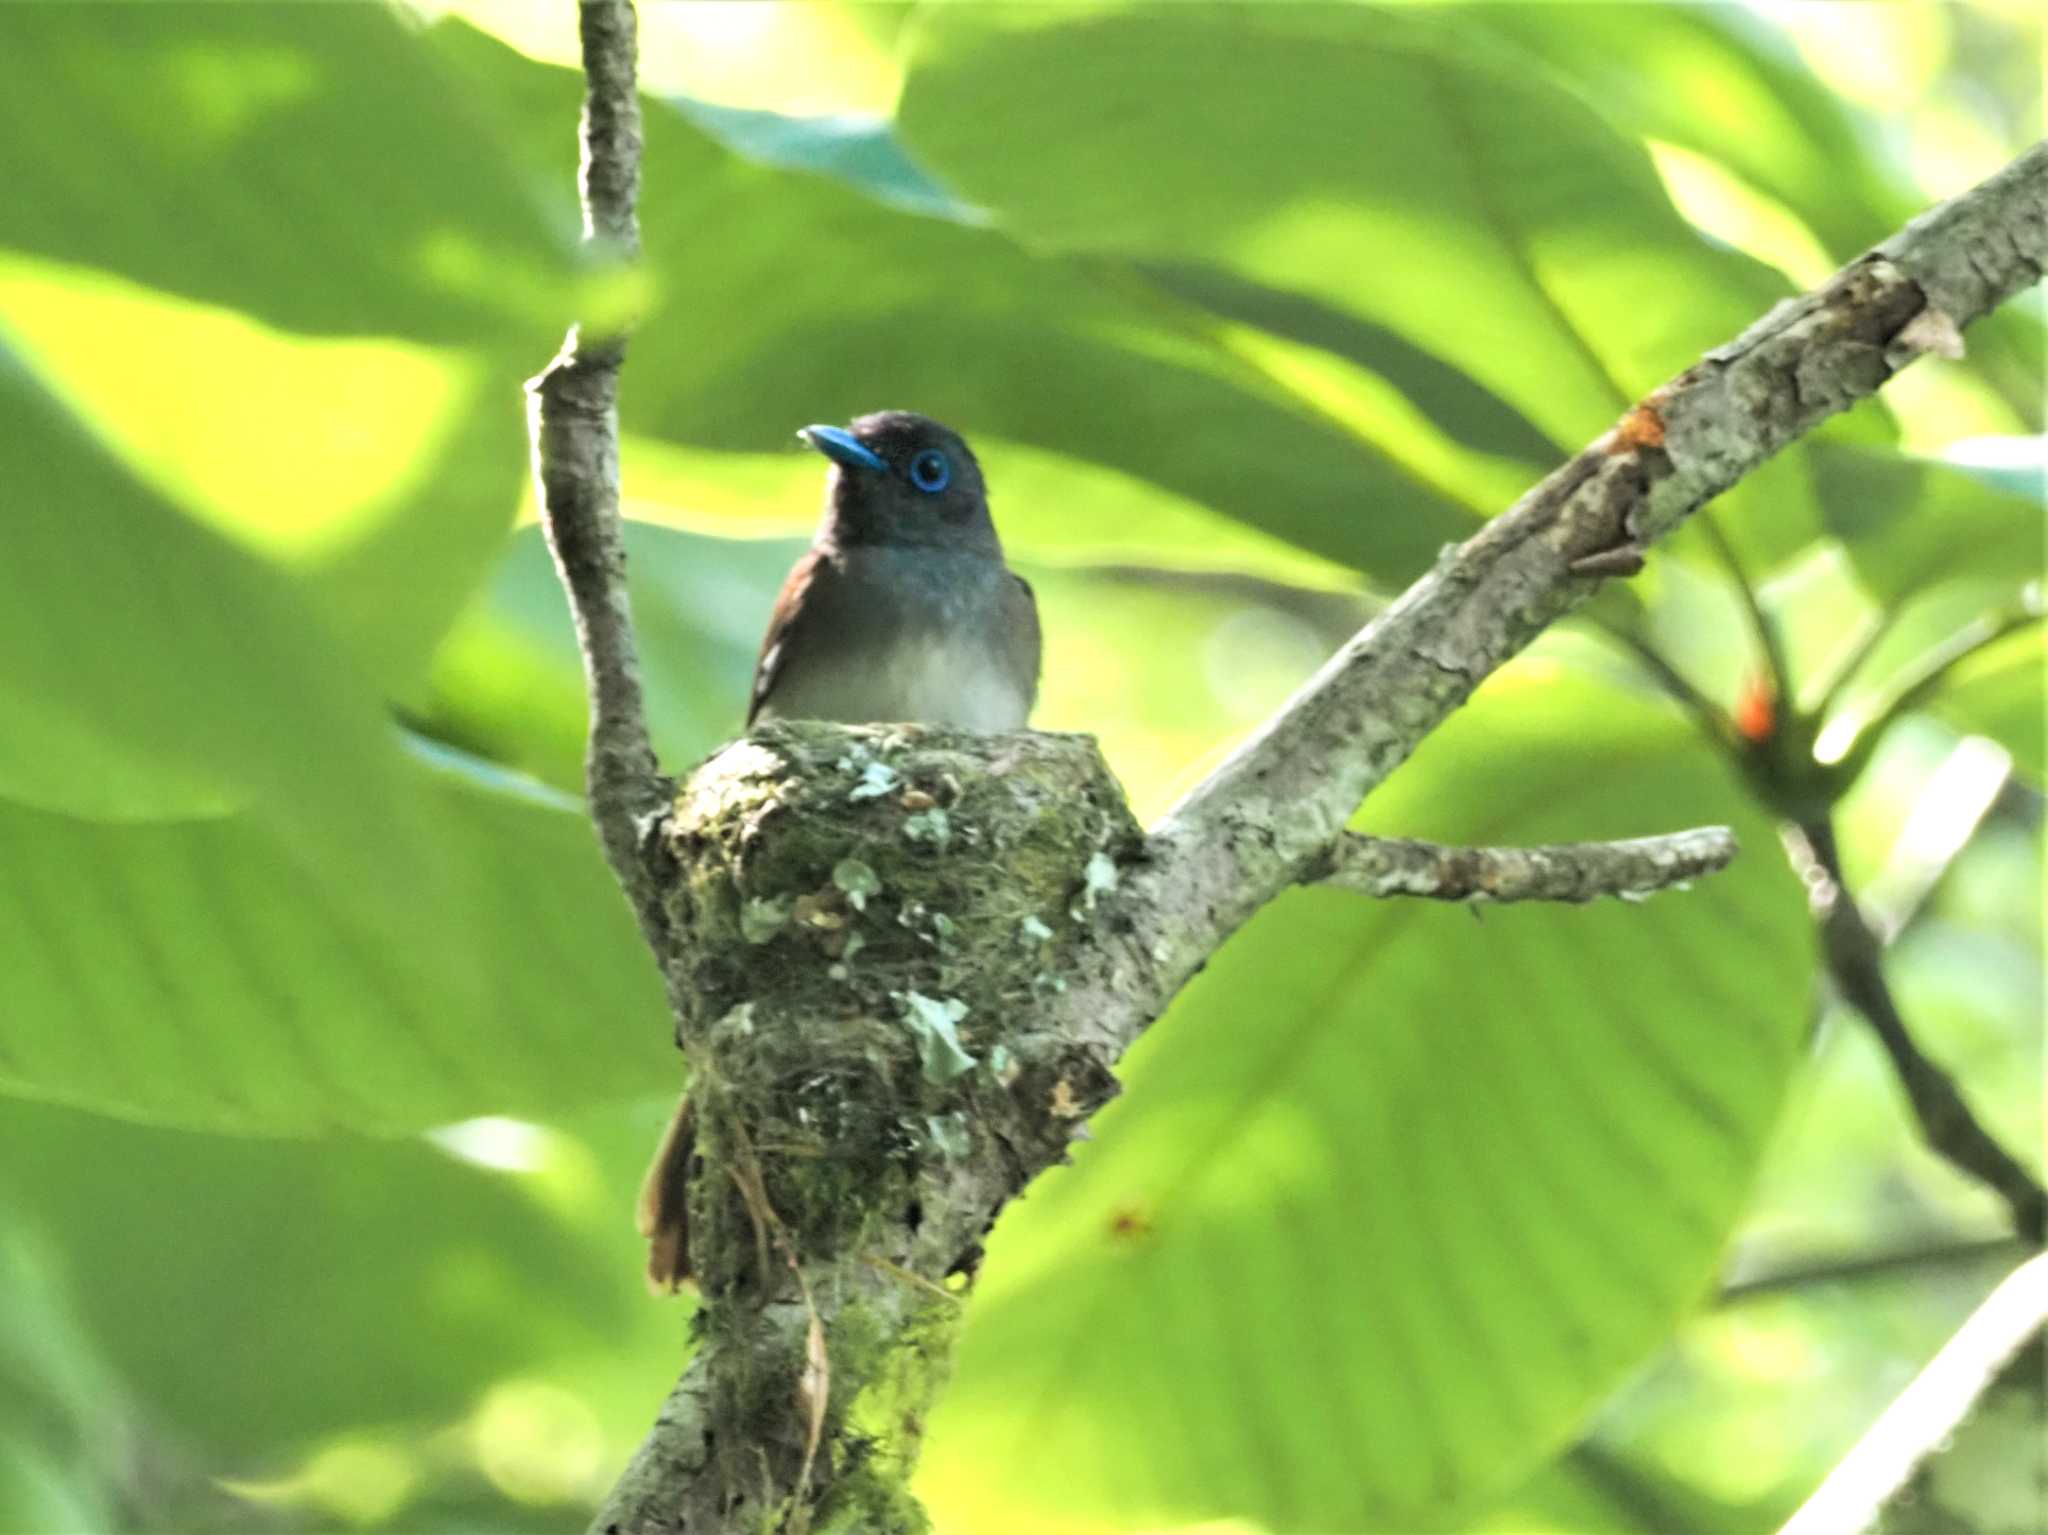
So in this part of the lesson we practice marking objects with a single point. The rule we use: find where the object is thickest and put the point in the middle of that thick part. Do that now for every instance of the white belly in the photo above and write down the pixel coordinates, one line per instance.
(916, 680)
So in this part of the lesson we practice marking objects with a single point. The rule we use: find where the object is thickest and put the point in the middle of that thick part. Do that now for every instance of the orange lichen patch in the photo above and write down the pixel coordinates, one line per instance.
(1642, 427)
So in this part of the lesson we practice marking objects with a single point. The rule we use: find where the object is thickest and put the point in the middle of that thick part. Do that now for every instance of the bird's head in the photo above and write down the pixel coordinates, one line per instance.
(902, 478)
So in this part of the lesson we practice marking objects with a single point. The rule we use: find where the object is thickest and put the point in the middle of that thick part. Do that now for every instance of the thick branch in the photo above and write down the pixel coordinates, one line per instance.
(1263, 819)
(574, 417)
(1570, 871)
(1855, 960)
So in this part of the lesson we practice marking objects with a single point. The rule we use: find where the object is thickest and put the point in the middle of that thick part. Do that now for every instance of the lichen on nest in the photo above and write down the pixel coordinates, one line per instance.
(863, 919)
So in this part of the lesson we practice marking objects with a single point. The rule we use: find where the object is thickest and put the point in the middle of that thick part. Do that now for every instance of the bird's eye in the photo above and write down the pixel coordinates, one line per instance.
(930, 472)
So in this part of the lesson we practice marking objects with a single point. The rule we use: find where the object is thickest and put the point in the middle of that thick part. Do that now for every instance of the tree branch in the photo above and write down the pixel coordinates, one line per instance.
(573, 414)
(1264, 817)
(1572, 871)
(1855, 961)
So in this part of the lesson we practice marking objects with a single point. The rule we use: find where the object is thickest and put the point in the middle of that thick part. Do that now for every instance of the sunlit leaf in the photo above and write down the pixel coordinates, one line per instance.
(2003, 693)
(148, 667)
(63, 1428)
(1722, 81)
(190, 972)
(254, 1293)
(1910, 525)
(216, 151)
(1399, 171)
(816, 303)
(338, 391)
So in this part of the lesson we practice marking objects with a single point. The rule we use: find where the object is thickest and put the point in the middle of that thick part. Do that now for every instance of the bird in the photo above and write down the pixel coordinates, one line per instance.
(902, 611)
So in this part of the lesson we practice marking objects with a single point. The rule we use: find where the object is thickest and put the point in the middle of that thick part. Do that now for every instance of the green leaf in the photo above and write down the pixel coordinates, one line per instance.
(817, 303)
(221, 152)
(1727, 84)
(2002, 692)
(189, 972)
(1400, 170)
(257, 1293)
(336, 391)
(1395, 1197)
(1395, 193)
(150, 668)
(1912, 524)
(63, 1432)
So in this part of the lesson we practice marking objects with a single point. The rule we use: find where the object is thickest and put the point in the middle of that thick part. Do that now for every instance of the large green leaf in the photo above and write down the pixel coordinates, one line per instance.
(191, 972)
(1396, 168)
(1394, 1196)
(1910, 525)
(1721, 81)
(310, 165)
(1383, 178)
(813, 302)
(385, 470)
(255, 1293)
(149, 667)
(190, 305)
(1725, 83)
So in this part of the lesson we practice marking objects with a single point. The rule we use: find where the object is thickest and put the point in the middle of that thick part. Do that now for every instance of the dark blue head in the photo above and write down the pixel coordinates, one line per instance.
(901, 478)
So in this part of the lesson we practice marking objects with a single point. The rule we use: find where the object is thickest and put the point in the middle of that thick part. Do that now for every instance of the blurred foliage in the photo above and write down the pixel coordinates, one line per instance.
(1405, 1221)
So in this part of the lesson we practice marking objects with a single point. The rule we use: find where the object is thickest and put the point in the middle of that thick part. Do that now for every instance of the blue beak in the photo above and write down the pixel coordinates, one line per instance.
(842, 447)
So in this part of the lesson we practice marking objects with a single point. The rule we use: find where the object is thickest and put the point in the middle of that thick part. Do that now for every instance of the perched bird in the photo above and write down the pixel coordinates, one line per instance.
(901, 611)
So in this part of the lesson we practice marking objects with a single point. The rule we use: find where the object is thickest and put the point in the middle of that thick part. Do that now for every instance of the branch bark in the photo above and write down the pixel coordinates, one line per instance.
(1855, 961)
(1633, 870)
(1271, 816)
(1260, 821)
(573, 416)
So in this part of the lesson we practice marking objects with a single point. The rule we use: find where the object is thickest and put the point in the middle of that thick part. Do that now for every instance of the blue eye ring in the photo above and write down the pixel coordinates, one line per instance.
(930, 472)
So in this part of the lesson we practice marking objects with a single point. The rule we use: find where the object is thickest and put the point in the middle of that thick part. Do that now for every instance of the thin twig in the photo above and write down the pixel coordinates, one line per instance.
(1848, 662)
(574, 417)
(1569, 871)
(1861, 1266)
(1761, 624)
(1707, 714)
(1855, 960)
(1929, 671)
(1924, 1416)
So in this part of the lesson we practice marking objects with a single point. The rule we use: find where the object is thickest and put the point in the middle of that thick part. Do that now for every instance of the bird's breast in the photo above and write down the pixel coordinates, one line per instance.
(929, 647)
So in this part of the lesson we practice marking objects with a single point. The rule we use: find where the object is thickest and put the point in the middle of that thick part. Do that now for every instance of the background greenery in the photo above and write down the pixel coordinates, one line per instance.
(329, 1054)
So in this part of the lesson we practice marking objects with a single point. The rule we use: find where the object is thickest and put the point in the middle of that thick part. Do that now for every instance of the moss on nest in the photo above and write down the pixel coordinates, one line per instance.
(862, 918)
